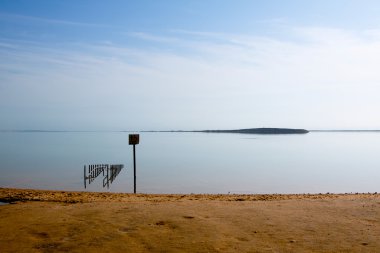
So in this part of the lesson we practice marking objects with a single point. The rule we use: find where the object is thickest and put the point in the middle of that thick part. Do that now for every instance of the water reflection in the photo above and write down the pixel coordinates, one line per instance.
(195, 162)
(108, 171)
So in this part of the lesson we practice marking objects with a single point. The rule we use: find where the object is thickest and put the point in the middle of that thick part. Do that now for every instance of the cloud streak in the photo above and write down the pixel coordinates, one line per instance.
(26, 18)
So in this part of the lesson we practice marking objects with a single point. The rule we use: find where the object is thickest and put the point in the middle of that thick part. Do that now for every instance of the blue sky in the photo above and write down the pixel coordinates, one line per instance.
(141, 65)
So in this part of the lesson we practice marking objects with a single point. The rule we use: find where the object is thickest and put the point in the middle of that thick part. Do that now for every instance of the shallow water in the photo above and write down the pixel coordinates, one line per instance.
(195, 162)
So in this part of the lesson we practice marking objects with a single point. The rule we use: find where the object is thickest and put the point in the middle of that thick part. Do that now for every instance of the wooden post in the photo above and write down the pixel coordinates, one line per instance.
(108, 180)
(134, 139)
(84, 176)
(134, 168)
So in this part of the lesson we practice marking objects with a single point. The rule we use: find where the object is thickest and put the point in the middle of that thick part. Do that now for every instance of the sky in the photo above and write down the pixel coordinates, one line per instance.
(190, 65)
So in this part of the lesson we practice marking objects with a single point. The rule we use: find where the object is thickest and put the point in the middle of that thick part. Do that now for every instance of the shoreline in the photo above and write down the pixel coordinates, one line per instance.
(68, 221)
(9, 195)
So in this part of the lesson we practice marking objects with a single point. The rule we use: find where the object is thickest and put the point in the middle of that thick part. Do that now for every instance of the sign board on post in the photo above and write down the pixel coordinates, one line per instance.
(134, 139)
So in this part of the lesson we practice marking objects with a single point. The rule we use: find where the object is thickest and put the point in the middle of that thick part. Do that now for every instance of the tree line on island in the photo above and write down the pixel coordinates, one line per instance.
(262, 130)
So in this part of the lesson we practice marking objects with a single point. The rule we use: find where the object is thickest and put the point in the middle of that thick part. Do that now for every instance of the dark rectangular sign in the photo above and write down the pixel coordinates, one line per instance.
(134, 139)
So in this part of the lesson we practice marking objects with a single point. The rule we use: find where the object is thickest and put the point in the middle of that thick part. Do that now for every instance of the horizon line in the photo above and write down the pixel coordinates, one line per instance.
(73, 131)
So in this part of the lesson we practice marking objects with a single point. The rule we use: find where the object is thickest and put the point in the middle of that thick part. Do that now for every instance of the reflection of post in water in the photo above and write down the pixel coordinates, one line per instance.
(109, 172)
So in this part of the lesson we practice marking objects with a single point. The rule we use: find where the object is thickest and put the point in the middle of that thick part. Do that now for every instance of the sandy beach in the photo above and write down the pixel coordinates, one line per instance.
(59, 221)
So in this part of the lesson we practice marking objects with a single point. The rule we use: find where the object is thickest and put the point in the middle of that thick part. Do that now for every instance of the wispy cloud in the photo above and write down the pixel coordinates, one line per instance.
(274, 21)
(25, 18)
(7, 45)
(151, 37)
(323, 78)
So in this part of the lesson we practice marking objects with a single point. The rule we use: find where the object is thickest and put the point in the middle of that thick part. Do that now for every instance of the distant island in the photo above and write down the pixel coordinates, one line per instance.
(260, 131)
(245, 131)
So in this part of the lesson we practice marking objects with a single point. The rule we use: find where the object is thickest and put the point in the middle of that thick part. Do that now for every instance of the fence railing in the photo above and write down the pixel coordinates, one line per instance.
(109, 172)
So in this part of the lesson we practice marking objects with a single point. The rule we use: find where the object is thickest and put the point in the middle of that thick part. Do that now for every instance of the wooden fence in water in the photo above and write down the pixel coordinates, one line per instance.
(109, 171)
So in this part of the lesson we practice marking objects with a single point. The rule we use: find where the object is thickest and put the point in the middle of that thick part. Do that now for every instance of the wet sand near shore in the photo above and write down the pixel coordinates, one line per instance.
(59, 221)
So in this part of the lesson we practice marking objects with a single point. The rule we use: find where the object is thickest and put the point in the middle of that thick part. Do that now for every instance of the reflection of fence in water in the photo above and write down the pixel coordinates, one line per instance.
(109, 172)
(95, 170)
(114, 171)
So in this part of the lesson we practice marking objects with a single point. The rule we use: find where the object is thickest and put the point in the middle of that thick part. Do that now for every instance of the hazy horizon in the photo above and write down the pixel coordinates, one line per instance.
(195, 162)
(189, 65)
(175, 130)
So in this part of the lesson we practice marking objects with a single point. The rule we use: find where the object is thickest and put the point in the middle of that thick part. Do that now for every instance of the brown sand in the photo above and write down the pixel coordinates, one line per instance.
(55, 221)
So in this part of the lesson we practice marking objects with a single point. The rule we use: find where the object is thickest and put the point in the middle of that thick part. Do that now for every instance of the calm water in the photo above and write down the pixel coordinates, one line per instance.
(195, 162)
